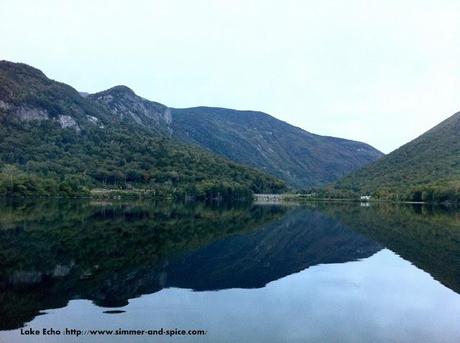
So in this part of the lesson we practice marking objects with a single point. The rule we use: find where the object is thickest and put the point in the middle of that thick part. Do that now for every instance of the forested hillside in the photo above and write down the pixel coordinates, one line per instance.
(53, 141)
(257, 139)
(426, 169)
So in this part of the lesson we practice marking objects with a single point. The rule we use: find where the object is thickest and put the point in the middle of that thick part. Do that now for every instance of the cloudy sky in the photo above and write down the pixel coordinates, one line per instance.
(382, 72)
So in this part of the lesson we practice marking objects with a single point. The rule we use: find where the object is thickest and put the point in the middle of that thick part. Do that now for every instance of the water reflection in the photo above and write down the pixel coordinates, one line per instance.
(300, 239)
(427, 236)
(55, 251)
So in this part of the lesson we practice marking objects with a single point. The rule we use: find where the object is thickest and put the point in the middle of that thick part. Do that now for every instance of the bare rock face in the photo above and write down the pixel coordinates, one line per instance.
(23, 112)
(4, 106)
(124, 103)
(28, 113)
(95, 121)
(68, 122)
(167, 116)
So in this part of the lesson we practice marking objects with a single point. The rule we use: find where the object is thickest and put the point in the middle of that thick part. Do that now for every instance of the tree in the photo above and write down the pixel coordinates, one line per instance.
(11, 171)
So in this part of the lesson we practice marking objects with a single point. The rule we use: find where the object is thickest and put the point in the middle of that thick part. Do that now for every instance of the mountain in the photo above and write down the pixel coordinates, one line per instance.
(123, 102)
(55, 141)
(257, 139)
(91, 136)
(425, 169)
(300, 158)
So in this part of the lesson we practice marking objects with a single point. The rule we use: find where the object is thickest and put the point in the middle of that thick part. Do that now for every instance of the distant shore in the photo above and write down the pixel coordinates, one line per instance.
(296, 197)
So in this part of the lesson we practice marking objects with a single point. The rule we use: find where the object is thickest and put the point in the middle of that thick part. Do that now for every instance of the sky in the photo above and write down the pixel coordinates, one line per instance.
(381, 72)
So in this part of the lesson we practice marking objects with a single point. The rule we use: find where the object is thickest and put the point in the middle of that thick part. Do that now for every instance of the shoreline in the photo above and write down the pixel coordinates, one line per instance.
(299, 198)
(257, 199)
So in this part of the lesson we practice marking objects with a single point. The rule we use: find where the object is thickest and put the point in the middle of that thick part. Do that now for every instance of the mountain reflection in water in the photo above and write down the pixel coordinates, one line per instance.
(55, 251)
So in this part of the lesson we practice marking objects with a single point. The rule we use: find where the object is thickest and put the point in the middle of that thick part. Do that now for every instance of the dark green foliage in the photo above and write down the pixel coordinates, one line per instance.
(426, 169)
(100, 149)
(300, 158)
(27, 184)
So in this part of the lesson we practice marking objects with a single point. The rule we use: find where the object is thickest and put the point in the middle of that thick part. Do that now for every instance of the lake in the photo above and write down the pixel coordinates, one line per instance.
(171, 272)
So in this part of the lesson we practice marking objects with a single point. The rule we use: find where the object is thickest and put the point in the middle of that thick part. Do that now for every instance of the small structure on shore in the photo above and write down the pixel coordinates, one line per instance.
(268, 198)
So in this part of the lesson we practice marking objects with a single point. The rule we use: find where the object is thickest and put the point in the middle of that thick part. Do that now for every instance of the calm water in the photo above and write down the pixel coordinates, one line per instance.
(240, 273)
